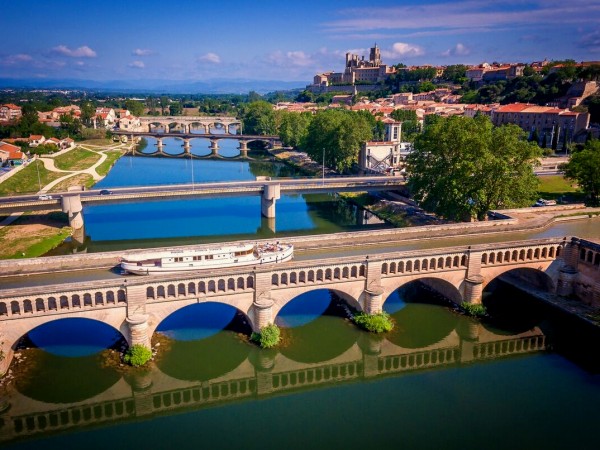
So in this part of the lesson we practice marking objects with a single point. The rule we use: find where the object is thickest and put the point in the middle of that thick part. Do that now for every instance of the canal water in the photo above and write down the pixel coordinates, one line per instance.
(188, 221)
(525, 378)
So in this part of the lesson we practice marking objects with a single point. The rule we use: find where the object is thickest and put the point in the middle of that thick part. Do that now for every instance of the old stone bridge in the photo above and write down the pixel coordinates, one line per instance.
(137, 305)
(186, 138)
(186, 123)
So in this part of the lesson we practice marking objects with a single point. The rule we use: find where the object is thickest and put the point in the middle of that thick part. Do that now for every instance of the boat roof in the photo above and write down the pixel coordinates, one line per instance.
(171, 253)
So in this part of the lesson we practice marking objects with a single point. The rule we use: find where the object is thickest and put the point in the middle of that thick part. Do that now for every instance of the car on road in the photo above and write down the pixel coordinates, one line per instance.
(542, 202)
(105, 192)
(45, 197)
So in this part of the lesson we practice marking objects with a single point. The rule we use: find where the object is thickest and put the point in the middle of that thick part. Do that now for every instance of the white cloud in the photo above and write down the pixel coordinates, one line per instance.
(403, 50)
(591, 41)
(81, 52)
(142, 52)
(19, 58)
(210, 57)
(137, 64)
(465, 15)
(458, 50)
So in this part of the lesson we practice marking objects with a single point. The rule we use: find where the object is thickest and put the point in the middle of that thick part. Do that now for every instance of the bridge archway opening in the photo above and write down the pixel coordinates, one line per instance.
(234, 128)
(216, 128)
(65, 352)
(203, 341)
(158, 127)
(200, 147)
(173, 146)
(422, 314)
(314, 325)
(513, 310)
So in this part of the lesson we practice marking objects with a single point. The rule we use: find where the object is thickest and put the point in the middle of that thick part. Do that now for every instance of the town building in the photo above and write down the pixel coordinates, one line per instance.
(11, 155)
(10, 112)
(545, 120)
(385, 156)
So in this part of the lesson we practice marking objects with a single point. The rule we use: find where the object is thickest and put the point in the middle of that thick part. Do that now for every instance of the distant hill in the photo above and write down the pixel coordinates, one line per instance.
(225, 86)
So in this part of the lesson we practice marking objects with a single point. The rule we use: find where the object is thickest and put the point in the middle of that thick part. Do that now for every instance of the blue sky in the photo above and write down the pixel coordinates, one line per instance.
(281, 40)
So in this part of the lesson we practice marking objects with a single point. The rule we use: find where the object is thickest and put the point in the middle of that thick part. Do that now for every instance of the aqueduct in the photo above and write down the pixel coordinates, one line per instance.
(137, 305)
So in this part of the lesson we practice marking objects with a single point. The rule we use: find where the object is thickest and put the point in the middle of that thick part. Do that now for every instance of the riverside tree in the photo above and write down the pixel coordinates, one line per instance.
(259, 118)
(584, 168)
(292, 127)
(462, 167)
(339, 134)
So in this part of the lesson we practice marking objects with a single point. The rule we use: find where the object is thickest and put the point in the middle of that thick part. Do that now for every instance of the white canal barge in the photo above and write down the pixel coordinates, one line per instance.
(173, 261)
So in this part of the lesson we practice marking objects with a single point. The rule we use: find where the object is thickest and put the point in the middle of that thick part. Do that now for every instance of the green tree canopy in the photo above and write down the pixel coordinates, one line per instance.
(340, 134)
(584, 168)
(461, 167)
(292, 127)
(135, 107)
(259, 118)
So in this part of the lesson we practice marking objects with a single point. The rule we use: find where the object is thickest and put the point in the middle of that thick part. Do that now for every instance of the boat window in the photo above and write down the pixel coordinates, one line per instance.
(178, 259)
(209, 257)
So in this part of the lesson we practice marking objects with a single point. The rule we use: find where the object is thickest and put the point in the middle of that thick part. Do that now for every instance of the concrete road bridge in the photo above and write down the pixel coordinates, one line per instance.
(136, 305)
(155, 393)
(71, 202)
(186, 138)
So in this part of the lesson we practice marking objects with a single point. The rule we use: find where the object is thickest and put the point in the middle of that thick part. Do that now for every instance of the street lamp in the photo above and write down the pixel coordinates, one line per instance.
(323, 182)
(38, 174)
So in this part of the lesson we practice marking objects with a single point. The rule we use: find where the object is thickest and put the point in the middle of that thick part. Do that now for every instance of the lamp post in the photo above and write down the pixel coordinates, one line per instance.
(38, 174)
(323, 182)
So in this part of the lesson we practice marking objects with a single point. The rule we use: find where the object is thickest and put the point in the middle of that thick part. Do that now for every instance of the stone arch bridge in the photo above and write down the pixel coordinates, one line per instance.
(186, 123)
(136, 305)
(269, 141)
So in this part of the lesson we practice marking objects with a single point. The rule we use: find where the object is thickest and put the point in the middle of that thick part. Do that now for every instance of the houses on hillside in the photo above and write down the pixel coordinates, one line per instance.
(10, 112)
(11, 155)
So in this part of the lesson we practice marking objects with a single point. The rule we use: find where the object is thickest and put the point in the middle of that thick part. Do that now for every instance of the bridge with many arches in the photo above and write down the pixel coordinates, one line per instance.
(136, 305)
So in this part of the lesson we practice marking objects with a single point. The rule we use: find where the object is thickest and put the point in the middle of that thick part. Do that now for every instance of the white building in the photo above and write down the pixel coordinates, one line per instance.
(385, 156)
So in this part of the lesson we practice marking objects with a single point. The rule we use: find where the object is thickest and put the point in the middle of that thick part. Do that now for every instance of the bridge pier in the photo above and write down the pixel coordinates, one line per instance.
(138, 330)
(6, 354)
(186, 146)
(71, 205)
(244, 149)
(214, 146)
(271, 193)
(159, 144)
(374, 300)
(263, 312)
(473, 289)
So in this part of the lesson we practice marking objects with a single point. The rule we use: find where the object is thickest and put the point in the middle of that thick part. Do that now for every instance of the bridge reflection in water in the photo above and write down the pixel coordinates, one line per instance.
(146, 394)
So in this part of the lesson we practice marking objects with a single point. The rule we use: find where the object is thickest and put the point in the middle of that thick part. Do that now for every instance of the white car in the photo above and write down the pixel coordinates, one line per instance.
(45, 197)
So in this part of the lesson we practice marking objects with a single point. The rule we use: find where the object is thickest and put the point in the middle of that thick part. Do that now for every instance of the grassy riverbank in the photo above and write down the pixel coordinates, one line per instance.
(27, 181)
(111, 157)
(33, 234)
(556, 187)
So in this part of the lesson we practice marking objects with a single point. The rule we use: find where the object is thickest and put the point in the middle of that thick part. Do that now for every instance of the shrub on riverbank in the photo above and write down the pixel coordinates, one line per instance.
(375, 323)
(268, 337)
(137, 355)
(474, 309)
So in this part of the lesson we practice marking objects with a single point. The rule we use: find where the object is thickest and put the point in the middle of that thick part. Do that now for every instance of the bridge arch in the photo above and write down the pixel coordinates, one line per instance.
(539, 276)
(11, 335)
(449, 285)
(351, 293)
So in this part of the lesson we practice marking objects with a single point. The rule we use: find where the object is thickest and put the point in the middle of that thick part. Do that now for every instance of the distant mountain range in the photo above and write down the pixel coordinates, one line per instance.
(225, 86)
